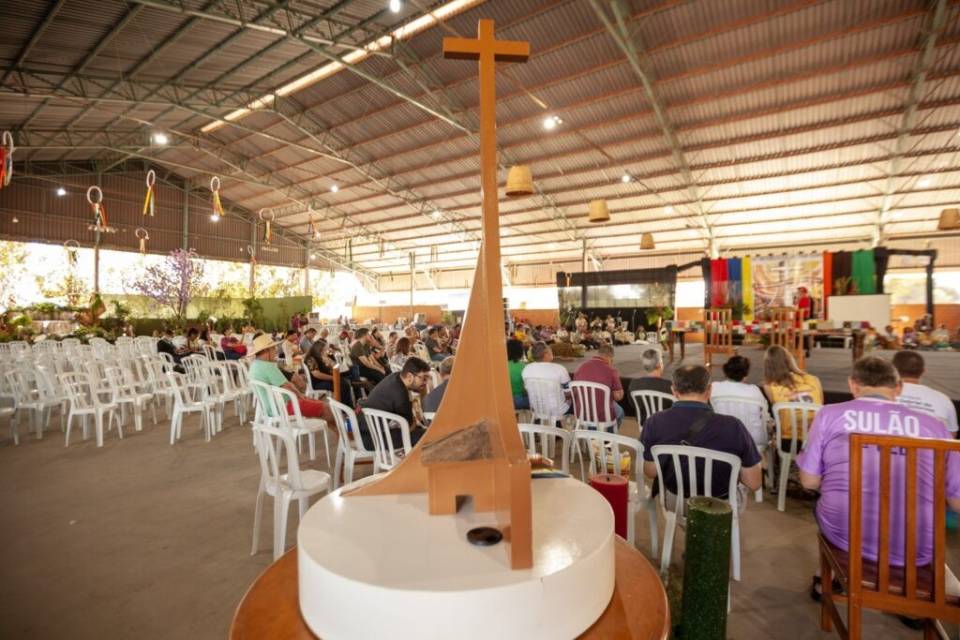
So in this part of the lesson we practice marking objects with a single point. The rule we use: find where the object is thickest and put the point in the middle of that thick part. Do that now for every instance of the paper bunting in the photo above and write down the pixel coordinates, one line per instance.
(6, 159)
(148, 200)
(217, 205)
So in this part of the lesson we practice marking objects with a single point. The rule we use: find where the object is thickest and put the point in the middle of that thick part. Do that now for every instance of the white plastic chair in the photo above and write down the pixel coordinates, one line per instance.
(313, 394)
(294, 421)
(675, 515)
(8, 408)
(591, 406)
(196, 370)
(30, 395)
(84, 402)
(547, 435)
(184, 404)
(124, 394)
(647, 402)
(381, 424)
(606, 453)
(799, 415)
(547, 400)
(350, 449)
(273, 445)
(747, 411)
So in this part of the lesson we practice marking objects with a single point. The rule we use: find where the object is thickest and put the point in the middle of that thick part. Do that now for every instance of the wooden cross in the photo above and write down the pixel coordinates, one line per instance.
(479, 388)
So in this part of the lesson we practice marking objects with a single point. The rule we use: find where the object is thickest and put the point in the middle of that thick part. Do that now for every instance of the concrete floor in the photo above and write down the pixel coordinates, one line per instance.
(143, 540)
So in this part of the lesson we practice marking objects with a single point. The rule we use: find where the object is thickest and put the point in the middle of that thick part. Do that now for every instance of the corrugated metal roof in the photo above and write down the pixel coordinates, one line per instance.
(787, 113)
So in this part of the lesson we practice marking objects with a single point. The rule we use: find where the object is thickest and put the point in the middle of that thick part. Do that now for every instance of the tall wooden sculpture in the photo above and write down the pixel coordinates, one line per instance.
(473, 447)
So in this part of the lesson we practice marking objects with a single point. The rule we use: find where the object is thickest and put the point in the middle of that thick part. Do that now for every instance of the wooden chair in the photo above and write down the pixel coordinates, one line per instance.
(909, 590)
(717, 333)
(787, 331)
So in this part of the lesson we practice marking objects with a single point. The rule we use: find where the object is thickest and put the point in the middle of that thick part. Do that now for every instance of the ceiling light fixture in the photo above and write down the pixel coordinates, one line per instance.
(404, 32)
(214, 217)
(436, 214)
(924, 183)
(160, 138)
(61, 192)
(625, 178)
(668, 209)
(334, 188)
(313, 256)
(15, 220)
(551, 122)
(395, 6)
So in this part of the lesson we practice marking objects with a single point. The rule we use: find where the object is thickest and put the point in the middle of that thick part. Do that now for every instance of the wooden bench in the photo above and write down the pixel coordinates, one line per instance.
(910, 590)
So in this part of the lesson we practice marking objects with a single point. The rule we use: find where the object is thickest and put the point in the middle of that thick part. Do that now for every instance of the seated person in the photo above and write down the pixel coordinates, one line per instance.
(166, 345)
(910, 338)
(264, 369)
(784, 381)
(889, 339)
(431, 402)
(321, 364)
(361, 353)
(194, 344)
(306, 341)
(393, 394)
(434, 347)
(402, 351)
(515, 365)
(736, 370)
(600, 369)
(233, 349)
(824, 464)
(690, 421)
(291, 350)
(940, 337)
(914, 394)
(544, 368)
(651, 362)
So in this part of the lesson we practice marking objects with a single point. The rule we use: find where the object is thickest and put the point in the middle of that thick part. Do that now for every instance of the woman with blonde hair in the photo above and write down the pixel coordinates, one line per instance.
(784, 381)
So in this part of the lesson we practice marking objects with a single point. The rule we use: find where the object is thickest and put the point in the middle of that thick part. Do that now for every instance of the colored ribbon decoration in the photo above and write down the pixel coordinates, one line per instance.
(142, 236)
(217, 205)
(314, 229)
(252, 254)
(6, 159)
(96, 201)
(148, 200)
(71, 246)
(267, 216)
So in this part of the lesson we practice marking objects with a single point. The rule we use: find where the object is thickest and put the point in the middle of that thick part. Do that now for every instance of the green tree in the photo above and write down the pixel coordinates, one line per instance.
(12, 270)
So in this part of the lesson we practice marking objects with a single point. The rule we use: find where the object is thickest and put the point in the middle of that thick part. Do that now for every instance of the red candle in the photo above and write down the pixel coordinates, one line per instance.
(615, 489)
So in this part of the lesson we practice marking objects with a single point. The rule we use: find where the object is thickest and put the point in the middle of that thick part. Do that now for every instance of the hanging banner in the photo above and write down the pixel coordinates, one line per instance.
(142, 236)
(6, 158)
(217, 205)
(776, 280)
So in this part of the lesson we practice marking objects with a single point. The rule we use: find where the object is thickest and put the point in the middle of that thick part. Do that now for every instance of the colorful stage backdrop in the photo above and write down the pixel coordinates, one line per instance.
(751, 286)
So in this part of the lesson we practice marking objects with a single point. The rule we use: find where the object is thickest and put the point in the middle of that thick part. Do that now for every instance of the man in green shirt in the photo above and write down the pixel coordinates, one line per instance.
(264, 369)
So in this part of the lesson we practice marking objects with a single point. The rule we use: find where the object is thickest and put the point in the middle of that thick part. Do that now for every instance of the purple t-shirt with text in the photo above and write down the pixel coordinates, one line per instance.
(827, 454)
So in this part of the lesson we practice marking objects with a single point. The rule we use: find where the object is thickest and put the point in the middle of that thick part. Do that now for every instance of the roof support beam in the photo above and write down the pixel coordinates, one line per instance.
(628, 43)
(933, 27)
(34, 38)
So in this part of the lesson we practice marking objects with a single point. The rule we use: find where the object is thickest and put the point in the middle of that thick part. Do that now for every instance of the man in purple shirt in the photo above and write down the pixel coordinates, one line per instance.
(825, 462)
(600, 369)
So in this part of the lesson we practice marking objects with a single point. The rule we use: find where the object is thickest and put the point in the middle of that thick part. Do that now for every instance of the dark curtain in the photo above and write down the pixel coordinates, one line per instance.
(881, 258)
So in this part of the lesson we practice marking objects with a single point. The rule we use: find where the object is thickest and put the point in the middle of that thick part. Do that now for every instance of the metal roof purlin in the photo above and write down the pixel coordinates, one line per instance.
(34, 37)
(627, 43)
(932, 30)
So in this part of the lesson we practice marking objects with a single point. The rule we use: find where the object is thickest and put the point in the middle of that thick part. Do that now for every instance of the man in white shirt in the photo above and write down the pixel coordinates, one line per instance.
(919, 396)
(544, 368)
(753, 418)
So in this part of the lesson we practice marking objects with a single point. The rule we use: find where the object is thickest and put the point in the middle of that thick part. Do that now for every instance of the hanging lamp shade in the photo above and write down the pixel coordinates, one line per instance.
(519, 181)
(949, 220)
(599, 211)
(646, 242)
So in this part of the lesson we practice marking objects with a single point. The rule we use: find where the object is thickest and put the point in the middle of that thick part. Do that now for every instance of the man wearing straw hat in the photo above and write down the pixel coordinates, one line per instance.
(264, 369)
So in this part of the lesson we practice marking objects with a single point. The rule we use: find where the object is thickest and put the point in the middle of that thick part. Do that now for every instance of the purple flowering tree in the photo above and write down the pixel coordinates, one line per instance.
(173, 282)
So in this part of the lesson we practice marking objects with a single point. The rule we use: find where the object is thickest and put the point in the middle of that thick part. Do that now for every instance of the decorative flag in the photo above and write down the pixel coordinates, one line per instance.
(718, 282)
(71, 247)
(148, 200)
(217, 205)
(863, 272)
(746, 273)
(95, 198)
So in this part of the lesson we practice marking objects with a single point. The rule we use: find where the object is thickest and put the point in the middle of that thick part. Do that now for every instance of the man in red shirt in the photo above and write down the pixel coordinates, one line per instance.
(600, 369)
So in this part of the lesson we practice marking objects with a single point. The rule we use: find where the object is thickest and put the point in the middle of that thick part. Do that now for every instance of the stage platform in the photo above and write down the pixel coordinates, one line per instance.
(832, 366)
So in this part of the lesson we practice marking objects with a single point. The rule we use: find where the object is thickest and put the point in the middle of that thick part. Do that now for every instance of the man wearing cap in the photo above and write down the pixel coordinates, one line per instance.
(264, 369)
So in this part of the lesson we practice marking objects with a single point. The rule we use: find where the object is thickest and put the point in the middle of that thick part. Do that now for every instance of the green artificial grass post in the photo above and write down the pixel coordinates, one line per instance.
(706, 570)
